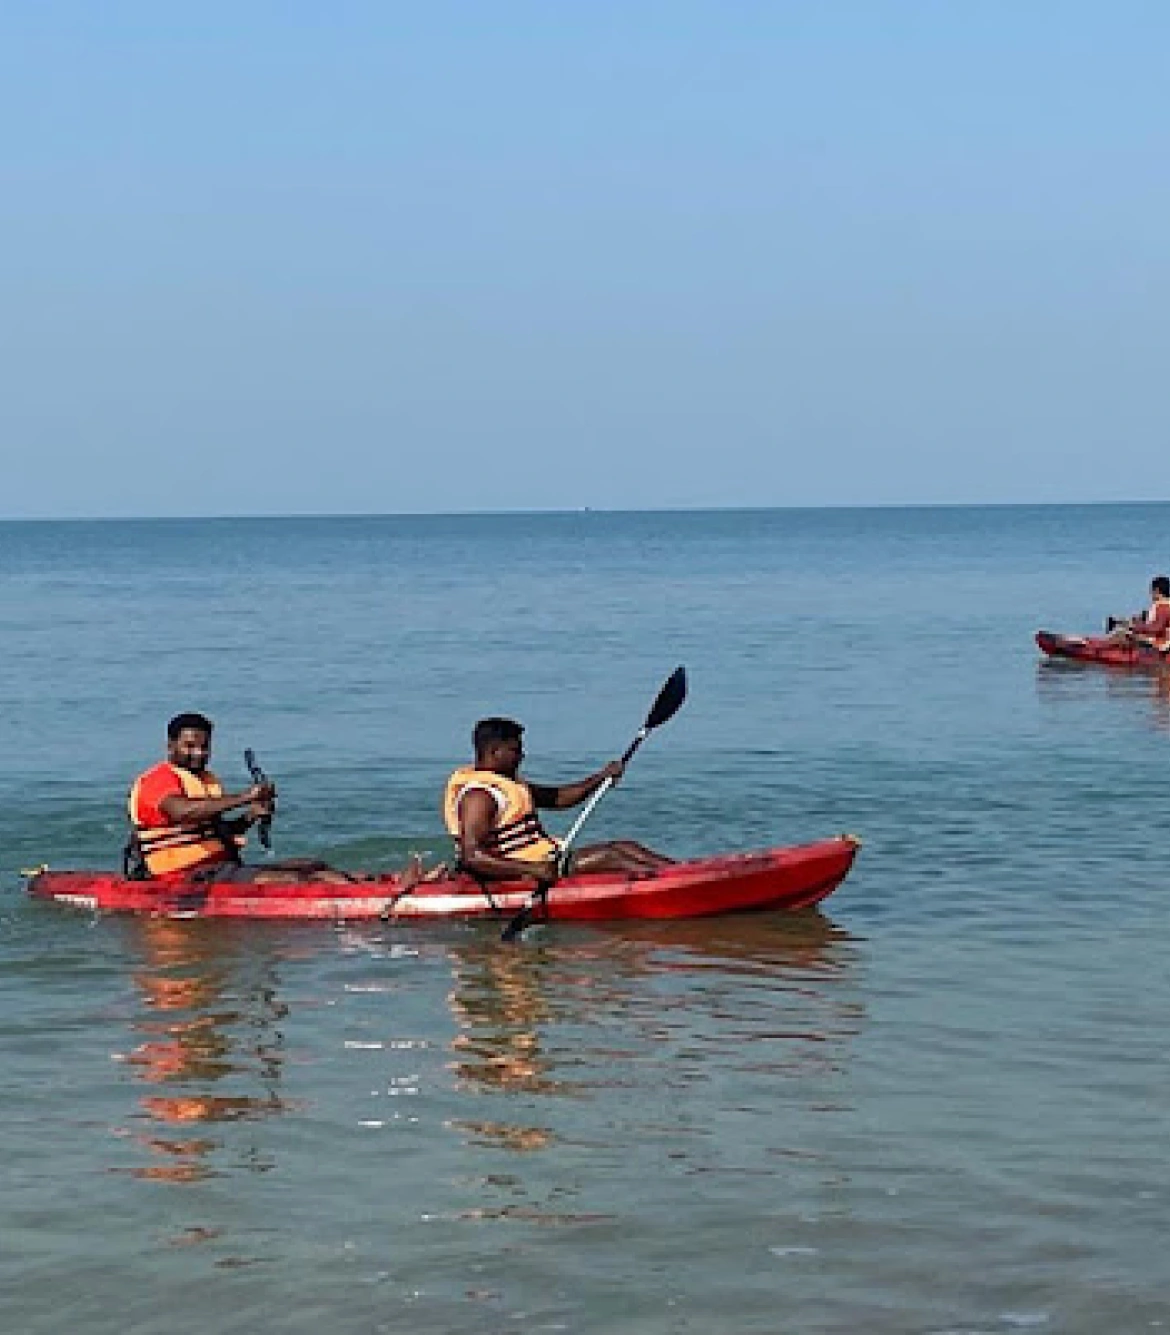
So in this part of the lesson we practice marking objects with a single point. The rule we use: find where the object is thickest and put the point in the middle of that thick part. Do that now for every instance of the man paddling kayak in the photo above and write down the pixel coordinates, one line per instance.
(184, 824)
(1151, 626)
(490, 812)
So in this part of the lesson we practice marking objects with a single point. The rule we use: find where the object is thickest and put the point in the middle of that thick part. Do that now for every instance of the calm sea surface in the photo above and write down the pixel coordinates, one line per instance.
(938, 1105)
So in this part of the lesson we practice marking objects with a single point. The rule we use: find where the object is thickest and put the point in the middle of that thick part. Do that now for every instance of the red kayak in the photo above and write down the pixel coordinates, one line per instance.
(1100, 649)
(778, 878)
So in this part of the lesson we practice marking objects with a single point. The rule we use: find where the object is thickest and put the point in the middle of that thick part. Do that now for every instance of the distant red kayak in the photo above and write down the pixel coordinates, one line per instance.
(779, 878)
(1099, 649)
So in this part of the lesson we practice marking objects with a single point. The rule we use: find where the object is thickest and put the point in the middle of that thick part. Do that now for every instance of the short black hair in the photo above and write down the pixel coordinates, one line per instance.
(196, 722)
(1161, 584)
(488, 731)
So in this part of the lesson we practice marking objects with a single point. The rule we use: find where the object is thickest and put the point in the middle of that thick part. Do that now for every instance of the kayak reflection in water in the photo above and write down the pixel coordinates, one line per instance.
(211, 1054)
(185, 824)
(1151, 626)
(490, 812)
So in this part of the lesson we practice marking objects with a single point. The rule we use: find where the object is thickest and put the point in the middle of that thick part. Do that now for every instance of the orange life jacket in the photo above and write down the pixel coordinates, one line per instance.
(173, 848)
(517, 832)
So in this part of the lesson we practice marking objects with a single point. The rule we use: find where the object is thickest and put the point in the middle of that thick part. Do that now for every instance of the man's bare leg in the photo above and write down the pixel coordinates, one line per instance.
(294, 869)
(621, 855)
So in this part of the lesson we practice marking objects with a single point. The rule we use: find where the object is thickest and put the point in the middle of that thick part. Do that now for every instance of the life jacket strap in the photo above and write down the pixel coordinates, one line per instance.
(511, 838)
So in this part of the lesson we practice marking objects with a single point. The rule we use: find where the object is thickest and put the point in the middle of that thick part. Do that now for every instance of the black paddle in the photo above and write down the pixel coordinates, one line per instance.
(664, 708)
(264, 825)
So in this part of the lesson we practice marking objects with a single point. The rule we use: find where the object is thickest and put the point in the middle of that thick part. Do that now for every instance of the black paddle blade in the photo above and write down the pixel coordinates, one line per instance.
(517, 925)
(669, 700)
(521, 920)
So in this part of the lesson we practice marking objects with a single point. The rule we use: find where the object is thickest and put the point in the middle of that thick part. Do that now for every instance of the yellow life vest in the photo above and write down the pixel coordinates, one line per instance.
(174, 848)
(517, 832)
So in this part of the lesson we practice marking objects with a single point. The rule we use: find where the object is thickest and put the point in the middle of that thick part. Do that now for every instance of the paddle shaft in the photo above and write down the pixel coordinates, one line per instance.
(601, 790)
(264, 825)
(539, 897)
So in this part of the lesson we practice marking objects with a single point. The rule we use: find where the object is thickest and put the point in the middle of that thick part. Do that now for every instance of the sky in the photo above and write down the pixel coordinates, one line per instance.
(306, 258)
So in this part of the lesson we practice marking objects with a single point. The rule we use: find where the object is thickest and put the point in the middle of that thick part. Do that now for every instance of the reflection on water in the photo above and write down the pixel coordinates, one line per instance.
(1060, 679)
(211, 1050)
(1152, 687)
(499, 1000)
(644, 1056)
(770, 993)
(777, 945)
(607, 1009)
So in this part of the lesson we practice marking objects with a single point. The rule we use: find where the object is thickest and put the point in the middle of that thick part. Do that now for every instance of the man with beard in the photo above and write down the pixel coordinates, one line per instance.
(185, 824)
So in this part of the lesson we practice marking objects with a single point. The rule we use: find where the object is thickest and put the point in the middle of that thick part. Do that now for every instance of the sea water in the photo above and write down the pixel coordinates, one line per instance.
(936, 1105)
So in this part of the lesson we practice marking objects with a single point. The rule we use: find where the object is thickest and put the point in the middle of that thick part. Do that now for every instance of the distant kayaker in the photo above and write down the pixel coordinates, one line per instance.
(490, 812)
(1151, 626)
(183, 823)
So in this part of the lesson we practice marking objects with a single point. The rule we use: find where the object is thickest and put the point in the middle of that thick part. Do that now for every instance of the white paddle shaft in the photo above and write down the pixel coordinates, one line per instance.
(598, 793)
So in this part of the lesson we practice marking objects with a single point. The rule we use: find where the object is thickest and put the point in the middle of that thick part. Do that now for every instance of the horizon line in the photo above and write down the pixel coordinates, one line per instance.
(532, 512)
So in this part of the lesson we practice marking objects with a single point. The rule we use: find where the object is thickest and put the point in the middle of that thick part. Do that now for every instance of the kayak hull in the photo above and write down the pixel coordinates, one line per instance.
(778, 878)
(1099, 649)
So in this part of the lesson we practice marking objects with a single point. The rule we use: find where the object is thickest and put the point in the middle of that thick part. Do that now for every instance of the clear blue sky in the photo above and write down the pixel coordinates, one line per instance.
(296, 257)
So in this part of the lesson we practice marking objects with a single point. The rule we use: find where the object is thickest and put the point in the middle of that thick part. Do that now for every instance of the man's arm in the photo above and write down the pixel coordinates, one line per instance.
(477, 814)
(185, 810)
(573, 794)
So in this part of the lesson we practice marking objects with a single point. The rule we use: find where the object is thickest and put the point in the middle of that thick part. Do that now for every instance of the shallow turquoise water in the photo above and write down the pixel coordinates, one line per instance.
(936, 1106)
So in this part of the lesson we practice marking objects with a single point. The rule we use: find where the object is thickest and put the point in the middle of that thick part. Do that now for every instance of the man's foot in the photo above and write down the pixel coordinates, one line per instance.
(414, 874)
(411, 874)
